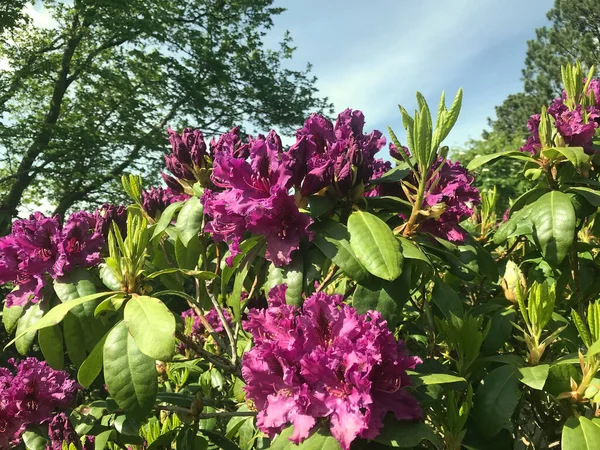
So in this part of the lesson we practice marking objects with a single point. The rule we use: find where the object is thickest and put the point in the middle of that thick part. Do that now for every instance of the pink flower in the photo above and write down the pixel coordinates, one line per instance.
(325, 360)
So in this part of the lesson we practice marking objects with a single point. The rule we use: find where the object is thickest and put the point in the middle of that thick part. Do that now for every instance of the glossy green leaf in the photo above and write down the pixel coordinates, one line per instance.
(57, 314)
(202, 275)
(34, 440)
(291, 275)
(406, 434)
(375, 245)
(189, 220)
(74, 336)
(51, 344)
(410, 250)
(75, 284)
(575, 155)
(496, 399)
(152, 326)
(10, 317)
(580, 433)
(319, 440)
(165, 218)
(425, 379)
(446, 299)
(129, 374)
(27, 327)
(591, 195)
(92, 366)
(535, 376)
(333, 239)
(484, 159)
(554, 220)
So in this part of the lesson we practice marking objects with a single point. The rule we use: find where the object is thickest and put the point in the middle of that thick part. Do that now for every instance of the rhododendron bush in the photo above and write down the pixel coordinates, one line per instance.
(341, 292)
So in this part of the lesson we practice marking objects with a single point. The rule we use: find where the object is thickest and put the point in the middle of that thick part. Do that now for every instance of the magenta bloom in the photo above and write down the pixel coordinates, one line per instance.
(60, 430)
(30, 395)
(155, 200)
(80, 243)
(106, 215)
(338, 157)
(36, 240)
(325, 361)
(451, 190)
(571, 125)
(255, 197)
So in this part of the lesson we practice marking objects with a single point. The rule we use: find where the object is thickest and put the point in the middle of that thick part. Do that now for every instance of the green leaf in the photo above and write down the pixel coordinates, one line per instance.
(91, 367)
(575, 155)
(51, 344)
(406, 434)
(74, 336)
(102, 439)
(34, 440)
(435, 378)
(559, 377)
(446, 299)
(411, 251)
(165, 218)
(130, 375)
(202, 275)
(534, 377)
(26, 328)
(387, 297)
(152, 326)
(291, 275)
(189, 220)
(319, 440)
(333, 239)
(591, 195)
(58, 313)
(484, 159)
(554, 220)
(496, 399)
(76, 284)
(580, 433)
(109, 278)
(375, 245)
(187, 255)
(221, 441)
(393, 176)
(10, 317)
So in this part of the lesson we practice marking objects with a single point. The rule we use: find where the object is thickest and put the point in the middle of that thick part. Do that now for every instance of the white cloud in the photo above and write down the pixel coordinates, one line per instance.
(40, 15)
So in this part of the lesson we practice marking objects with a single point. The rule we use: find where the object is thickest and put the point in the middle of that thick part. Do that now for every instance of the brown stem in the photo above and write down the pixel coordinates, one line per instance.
(215, 360)
(327, 278)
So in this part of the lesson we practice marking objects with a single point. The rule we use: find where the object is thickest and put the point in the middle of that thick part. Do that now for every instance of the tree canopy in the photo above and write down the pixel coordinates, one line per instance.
(90, 98)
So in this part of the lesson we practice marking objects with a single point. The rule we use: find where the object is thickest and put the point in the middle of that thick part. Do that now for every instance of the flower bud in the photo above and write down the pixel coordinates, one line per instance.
(512, 277)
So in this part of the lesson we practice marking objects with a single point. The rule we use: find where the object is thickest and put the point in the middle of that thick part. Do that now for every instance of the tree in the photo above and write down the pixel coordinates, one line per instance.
(89, 99)
(573, 36)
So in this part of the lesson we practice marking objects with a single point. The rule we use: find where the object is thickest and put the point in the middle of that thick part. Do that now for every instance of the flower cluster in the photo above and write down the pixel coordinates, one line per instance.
(325, 360)
(30, 395)
(40, 245)
(155, 200)
(254, 196)
(450, 199)
(189, 161)
(575, 126)
(339, 158)
(60, 430)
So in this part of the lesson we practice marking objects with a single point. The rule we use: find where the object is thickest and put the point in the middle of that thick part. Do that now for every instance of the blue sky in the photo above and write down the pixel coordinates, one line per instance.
(374, 55)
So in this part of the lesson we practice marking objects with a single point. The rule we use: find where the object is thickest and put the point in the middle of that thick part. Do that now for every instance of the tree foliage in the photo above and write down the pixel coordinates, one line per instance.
(90, 98)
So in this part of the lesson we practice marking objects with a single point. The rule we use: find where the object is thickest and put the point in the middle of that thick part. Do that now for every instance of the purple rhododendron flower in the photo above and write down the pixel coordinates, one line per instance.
(325, 360)
(59, 431)
(576, 127)
(451, 189)
(29, 395)
(337, 156)
(155, 200)
(80, 243)
(37, 241)
(379, 167)
(255, 197)
(106, 215)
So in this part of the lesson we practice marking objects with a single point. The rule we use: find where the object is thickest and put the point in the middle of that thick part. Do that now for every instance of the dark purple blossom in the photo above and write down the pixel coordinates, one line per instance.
(80, 243)
(106, 215)
(60, 430)
(337, 157)
(36, 240)
(576, 127)
(155, 200)
(255, 197)
(379, 167)
(450, 199)
(325, 360)
(29, 395)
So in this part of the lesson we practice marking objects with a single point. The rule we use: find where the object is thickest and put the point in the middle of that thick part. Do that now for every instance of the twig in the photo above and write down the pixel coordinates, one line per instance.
(232, 339)
(179, 409)
(327, 278)
(216, 360)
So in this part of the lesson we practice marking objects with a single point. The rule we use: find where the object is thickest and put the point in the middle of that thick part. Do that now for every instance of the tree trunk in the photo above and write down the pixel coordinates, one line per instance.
(25, 175)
